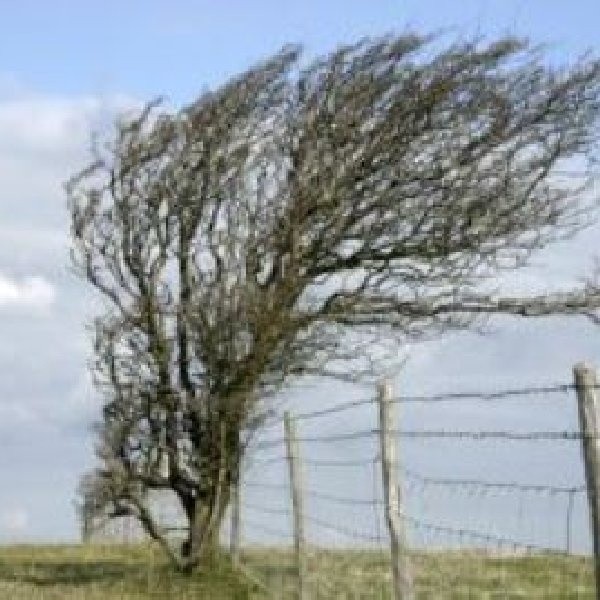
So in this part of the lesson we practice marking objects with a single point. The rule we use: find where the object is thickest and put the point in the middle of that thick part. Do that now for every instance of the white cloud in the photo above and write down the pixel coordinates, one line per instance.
(14, 520)
(43, 141)
(40, 124)
(28, 292)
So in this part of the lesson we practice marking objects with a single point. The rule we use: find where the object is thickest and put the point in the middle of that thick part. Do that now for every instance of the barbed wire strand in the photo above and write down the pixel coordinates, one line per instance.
(500, 485)
(426, 480)
(475, 535)
(485, 396)
(312, 493)
(341, 529)
(460, 532)
(438, 433)
(317, 462)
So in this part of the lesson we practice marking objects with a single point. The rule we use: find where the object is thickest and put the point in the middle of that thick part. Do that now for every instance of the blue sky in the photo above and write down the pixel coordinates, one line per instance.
(67, 67)
(175, 48)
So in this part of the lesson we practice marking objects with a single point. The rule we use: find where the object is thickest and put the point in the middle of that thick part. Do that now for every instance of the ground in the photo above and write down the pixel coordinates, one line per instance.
(96, 572)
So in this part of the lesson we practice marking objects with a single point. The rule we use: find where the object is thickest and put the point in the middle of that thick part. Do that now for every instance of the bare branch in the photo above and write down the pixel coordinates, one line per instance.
(278, 225)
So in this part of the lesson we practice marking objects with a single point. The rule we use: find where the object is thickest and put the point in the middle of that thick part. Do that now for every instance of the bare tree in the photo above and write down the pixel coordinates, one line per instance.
(252, 235)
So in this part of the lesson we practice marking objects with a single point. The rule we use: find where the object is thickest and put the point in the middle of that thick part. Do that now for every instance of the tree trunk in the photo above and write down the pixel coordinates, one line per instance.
(205, 518)
(202, 542)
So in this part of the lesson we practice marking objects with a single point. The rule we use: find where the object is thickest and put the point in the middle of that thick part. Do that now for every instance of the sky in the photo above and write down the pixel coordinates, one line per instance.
(68, 68)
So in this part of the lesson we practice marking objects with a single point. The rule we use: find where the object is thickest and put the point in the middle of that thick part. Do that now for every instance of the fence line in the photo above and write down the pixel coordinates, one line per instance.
(568, 496)
(507, 394)
(424, 480)
(437, 433)
(317, 462)
(499, 485)
(322, 496)
(462, 533)
(359, 517)
(472, 534)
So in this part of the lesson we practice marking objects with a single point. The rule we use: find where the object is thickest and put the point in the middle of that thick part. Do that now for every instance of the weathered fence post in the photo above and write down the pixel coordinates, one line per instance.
(293, 457)
(401, 570)
(569, 527)
(586, 384)
(86, 522)
(236, 525)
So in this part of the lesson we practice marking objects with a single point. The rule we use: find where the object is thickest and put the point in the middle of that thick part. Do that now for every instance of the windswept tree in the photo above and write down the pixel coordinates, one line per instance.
(238, 241)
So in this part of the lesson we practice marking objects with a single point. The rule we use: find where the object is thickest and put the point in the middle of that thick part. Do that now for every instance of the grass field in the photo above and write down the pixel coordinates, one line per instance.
(135, 572)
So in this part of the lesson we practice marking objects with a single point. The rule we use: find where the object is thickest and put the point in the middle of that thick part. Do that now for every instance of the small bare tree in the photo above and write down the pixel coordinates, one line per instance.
(253, 234)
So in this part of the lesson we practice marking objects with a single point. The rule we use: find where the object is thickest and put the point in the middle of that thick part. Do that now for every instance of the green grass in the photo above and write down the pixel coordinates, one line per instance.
(97, 572)
(111, 572)
(447, 575)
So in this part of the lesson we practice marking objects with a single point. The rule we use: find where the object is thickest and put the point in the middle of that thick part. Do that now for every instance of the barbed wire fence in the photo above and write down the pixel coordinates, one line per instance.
(341, 510)
(360, 500)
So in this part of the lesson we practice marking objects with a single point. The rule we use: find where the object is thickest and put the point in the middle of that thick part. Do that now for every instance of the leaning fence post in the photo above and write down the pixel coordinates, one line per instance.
(586, 384)
(235, 532)
(401, 571)
(293, 457)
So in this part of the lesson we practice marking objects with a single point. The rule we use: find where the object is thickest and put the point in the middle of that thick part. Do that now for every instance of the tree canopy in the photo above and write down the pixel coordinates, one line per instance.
(238, 241)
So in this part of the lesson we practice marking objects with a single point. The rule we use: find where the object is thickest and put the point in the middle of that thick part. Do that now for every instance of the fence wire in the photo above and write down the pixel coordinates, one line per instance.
(516, 530)
(496, 509)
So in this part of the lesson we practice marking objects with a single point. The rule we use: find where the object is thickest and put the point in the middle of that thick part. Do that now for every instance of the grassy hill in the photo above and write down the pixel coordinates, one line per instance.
(136, 572)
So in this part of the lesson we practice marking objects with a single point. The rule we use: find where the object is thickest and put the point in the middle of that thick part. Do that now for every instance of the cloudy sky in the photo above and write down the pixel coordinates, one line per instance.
(66, 69)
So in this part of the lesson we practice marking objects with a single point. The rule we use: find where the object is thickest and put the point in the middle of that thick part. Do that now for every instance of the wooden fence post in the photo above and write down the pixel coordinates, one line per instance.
(86, 522)
(401, 569)
(293, 457)
(586, 384)
(236, 525)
